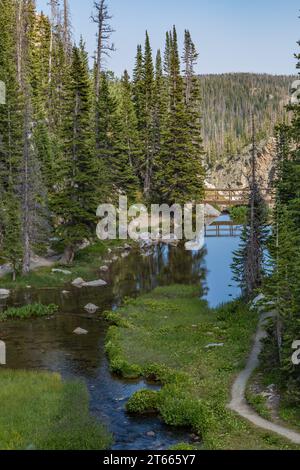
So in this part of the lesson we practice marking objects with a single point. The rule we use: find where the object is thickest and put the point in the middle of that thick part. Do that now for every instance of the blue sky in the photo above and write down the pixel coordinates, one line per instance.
(231, 35)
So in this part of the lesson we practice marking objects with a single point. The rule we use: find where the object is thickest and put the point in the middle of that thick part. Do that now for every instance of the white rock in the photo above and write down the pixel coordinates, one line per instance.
(124, 255)
(91, 308)
(104, 269)
(214, 345)
(80, 331)
(257, 299)
(98, 283)
(4, 293)
(62, 271)
(65, 292)
(79, 282)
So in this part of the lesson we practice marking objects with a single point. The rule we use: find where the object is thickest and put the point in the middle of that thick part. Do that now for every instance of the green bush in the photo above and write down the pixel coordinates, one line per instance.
(29, 311)
(144, 402)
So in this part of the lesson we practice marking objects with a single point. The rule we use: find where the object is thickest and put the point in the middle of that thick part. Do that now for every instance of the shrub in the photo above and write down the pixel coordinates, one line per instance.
(144, 402)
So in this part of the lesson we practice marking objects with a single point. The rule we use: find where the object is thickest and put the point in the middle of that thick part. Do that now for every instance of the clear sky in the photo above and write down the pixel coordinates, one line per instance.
(231, 35)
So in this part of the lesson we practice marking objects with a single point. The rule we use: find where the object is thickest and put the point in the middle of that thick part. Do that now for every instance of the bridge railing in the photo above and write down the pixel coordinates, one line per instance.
(230, 196)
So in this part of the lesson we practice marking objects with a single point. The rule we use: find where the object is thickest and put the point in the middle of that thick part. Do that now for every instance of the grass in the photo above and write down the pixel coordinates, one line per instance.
(86, 266)
(41, 412)
(28, 311)
(162, 336)
(259, 404)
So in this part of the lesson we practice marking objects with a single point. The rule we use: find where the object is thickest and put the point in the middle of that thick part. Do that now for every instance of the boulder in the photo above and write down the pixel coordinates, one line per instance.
(79, 282)
(91, 308)
(104, 269)
(62, 271)
(214, 345)
(98, 283)
(257, 299)
(80, 331)
(4, 293)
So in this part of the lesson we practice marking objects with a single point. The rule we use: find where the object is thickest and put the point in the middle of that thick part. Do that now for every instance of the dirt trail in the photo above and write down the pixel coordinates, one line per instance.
(239, 403)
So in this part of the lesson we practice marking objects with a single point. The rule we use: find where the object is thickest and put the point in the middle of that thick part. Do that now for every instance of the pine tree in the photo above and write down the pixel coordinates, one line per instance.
(11, 127)
(75, 201)
(248, 261)
(128, 145)
(193, 107)
(178, 179)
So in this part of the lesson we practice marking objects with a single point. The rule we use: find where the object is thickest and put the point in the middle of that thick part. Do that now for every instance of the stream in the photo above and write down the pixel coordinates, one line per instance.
(49, 344)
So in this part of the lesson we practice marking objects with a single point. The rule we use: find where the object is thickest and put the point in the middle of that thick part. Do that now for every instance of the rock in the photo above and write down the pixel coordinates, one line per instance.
(236, 170)
(84, 244)
(62, 271)
(214, 345)
(125, 255)
(79, 282)
(109, 251)
(115, 258)
(257, 303)
(210, 211)
(91, 308)
(104, 269)
(65, 292)
(151, 434)
(80, 331)
(98, 283)
(4, 293)
(127, 247)
(257, 299)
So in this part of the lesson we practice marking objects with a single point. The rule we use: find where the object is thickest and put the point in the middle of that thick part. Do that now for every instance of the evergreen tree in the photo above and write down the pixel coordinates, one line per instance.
(248, 261)
(75, 201)
(178, 178)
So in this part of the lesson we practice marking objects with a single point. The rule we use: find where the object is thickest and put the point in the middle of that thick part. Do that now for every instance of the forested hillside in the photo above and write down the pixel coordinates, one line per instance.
(228, 102)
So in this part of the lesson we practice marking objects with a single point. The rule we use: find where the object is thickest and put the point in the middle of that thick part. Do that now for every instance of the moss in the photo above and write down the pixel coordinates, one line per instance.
(144, 402)
(29, 311)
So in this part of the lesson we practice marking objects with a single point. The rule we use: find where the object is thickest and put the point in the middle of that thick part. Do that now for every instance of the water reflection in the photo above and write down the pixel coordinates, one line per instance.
(49, 344)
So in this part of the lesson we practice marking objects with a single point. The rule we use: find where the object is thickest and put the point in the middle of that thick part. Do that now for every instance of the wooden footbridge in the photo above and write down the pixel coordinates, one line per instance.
(234, 197)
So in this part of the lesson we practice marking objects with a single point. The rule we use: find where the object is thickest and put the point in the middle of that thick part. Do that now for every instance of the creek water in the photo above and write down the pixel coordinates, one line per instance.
(49, 344)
